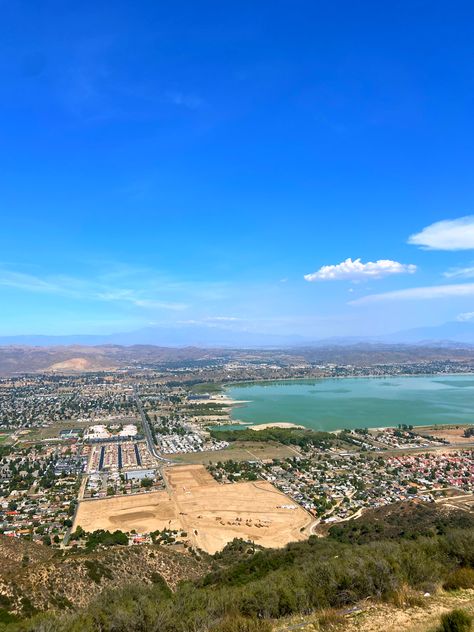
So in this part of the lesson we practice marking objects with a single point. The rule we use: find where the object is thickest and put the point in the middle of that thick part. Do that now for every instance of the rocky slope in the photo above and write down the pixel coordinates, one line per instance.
(34, 577)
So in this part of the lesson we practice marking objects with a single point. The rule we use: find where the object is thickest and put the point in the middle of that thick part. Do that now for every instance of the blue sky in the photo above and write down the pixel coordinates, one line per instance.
(177, 163)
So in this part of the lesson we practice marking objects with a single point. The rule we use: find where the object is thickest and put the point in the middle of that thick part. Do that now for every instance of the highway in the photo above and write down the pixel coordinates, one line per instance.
(147, 430)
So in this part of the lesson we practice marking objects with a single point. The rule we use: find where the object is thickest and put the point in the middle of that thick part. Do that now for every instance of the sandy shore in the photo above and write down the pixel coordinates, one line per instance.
(225, 401)
(278, 424)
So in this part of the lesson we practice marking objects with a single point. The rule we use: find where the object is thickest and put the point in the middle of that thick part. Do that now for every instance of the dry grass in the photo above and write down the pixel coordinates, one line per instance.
(381, 617)
(410, 618)
(453, 434)
(330, 620)
(240, 451)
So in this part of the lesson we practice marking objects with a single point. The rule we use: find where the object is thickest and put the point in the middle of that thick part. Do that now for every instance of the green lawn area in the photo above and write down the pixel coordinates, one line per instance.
(206, 387)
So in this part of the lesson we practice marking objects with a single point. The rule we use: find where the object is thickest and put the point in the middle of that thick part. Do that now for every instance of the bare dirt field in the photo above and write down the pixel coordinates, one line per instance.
(211, 513)
(459, 501)
(453, 434)
(142, 512)
(214, 514)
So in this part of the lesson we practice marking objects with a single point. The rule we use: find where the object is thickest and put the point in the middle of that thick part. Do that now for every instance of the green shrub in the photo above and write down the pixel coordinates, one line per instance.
(455, 621)
(96, 570)
(460, 578)
(7, 617)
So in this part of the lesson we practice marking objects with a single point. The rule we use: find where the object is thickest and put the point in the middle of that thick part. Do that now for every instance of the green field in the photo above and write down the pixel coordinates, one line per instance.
(206, 387)
(240, 451)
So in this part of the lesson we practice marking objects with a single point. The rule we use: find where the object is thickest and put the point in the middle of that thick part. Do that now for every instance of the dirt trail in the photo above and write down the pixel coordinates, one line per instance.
(377, 617)
(410, 619)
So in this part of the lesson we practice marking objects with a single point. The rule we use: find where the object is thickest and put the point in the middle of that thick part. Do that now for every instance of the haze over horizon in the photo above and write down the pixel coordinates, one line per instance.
(278, 169)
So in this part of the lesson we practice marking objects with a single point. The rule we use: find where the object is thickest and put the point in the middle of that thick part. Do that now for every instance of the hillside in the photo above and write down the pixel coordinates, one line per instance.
(35, 578)
(78, 365)
(15, 359)
(248, 590)
(415, 614)
(73, 358)
(401, 520)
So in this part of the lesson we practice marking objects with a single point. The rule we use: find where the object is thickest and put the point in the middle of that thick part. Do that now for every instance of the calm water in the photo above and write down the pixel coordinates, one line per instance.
(331, 404)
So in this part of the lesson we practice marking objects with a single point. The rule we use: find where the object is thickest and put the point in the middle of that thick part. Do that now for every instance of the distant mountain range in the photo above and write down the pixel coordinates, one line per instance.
(455, 331)
(198, 336)
(205, 336)
(15, 359)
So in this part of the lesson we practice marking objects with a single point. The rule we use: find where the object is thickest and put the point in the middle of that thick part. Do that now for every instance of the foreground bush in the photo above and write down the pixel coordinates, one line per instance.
(460, 578)
(455, 621)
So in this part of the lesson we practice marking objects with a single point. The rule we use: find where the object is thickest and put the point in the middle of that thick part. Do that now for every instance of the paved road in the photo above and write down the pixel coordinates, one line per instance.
(147, 430)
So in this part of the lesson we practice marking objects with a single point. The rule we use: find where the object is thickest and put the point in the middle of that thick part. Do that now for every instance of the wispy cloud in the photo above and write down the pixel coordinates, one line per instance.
(418, 293)
(98, 289)
(27, 282)
(356, 270)
(456, 234)
(465, 317)
(152, 304)
(224, 319)
(459, 273)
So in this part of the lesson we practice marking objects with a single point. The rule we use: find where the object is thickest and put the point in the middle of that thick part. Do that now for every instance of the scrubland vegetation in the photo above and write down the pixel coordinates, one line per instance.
(248, 589)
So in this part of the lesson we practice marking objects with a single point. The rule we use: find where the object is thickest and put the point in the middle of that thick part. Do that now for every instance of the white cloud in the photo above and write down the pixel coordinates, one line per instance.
(224, 319)
(460, 273)
(356, 270)
(419, 293)
(455, 234)
(465, 316)
(152, 304)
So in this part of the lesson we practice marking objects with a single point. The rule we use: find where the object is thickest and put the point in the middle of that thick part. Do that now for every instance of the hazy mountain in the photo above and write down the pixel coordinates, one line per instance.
(190, 335)
(455, 331)
(205, 336)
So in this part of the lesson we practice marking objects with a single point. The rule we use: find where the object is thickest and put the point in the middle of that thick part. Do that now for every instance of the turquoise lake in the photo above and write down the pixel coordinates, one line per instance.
(331, 404)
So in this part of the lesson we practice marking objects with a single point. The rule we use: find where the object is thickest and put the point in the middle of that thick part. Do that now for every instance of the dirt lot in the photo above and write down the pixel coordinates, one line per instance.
(214, 514)
(211, 513)
(453, 434)
(459, 501)
(142, 512)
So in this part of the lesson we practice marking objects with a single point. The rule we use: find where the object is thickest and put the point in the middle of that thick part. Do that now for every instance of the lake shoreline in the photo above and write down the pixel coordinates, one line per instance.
(288, 380)
(352, 419)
